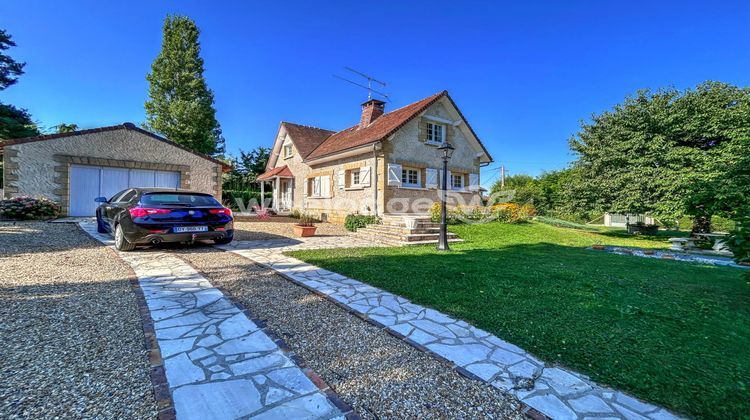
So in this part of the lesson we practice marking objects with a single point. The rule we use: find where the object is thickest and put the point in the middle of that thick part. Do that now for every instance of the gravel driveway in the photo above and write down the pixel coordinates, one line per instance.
(379, 375)
(72, 340)
(280, 226)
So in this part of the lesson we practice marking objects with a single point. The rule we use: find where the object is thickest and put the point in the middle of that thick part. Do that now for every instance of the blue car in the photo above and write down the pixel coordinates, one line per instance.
(150, 216)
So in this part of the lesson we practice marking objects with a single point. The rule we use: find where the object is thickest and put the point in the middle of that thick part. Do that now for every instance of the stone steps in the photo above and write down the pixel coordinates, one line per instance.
(393, 231)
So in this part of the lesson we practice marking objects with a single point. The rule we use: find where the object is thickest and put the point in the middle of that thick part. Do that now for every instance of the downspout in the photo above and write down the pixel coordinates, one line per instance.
(375, 148)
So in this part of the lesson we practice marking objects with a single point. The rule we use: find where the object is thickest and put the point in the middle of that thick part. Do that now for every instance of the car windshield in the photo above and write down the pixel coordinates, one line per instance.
(176, 199)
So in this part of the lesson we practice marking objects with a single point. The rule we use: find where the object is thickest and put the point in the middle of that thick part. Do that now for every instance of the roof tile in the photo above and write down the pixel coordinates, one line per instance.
(282, 171)
(379, 129)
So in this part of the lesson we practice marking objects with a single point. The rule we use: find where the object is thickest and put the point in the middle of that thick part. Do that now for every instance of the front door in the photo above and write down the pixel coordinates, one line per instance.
(286, 194)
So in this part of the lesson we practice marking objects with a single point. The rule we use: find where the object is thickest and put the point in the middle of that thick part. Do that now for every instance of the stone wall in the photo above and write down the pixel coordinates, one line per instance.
(407, 147)
(348, 200)
(40, 168)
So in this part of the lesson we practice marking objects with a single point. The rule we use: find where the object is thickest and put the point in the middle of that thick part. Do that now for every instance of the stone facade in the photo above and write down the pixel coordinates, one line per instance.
(407, 147)
(340, 202)
(40, 168)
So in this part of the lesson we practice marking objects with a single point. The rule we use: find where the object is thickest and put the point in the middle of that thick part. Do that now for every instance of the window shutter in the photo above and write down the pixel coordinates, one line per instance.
(364, 176)
(394, 174)
(307, 187)
(342, 179)
(325, 186)
(473, 182)
(449, 186)
(432, 178)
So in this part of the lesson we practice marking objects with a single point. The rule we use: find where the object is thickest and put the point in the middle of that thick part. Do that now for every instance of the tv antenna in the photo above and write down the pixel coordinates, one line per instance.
(370, 80)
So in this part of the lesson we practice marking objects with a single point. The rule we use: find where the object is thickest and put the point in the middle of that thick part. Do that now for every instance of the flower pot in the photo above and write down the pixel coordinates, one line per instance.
(599, 247)
(304, 231)
(410, 222)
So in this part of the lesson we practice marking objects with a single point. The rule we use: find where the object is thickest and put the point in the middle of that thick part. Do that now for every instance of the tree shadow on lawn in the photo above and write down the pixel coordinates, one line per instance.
(671, 332)
(661, 236)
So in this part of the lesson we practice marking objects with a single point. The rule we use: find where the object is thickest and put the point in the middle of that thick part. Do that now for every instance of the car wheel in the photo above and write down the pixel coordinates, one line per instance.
(121, 243)
(223, 241)
(100, 224)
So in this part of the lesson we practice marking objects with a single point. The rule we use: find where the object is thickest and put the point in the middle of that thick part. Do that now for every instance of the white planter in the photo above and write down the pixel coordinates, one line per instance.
(410, 222)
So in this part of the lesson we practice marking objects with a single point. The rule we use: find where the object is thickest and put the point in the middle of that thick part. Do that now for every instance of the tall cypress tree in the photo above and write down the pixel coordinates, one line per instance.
(180, 104)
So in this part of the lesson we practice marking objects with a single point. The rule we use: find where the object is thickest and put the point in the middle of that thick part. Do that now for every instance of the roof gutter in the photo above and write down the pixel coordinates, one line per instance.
(346, 153)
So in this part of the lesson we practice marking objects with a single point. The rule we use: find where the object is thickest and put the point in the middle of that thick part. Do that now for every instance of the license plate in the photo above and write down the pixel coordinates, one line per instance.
(183, 229)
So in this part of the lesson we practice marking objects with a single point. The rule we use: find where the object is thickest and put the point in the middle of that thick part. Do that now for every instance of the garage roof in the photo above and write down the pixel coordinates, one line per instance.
(124, 126)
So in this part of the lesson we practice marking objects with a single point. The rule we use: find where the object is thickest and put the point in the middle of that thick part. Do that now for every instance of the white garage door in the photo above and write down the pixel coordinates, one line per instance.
(89, 182)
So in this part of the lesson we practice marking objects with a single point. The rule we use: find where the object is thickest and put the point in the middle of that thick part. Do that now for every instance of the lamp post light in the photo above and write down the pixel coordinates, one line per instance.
(446, 149)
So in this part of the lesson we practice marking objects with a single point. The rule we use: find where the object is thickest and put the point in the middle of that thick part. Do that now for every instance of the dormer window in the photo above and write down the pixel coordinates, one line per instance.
(435, 133)
(287, 151)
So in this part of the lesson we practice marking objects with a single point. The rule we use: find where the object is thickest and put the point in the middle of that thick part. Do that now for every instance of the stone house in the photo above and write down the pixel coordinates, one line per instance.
(388, 163)
(75, 168)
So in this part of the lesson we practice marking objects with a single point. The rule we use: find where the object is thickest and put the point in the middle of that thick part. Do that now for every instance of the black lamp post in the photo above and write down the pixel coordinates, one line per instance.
(446, 149)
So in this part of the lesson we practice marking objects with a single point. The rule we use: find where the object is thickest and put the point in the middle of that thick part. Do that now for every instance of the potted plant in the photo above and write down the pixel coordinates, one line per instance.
(598, 245)
(305, 226)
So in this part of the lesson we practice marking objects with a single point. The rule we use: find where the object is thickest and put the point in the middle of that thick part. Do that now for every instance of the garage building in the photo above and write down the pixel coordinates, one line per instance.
(75, 168)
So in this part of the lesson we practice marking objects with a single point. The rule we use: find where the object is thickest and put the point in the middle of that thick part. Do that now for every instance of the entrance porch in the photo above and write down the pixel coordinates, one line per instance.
(282, 186)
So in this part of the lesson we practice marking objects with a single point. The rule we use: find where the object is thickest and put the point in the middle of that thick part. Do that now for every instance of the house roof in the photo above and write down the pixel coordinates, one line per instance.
(306, 138)
(123, 126)
(281, 171)
(381, 128)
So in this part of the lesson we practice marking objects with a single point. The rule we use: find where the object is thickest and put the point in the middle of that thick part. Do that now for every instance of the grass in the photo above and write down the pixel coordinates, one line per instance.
(673, 333)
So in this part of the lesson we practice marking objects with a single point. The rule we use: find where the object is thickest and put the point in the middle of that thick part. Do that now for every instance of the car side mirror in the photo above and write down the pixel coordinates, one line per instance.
(101, 200)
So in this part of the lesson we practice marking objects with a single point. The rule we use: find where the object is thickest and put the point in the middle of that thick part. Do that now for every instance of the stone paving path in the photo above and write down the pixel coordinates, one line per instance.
(676, 256)
(556, 392)
(218, 363)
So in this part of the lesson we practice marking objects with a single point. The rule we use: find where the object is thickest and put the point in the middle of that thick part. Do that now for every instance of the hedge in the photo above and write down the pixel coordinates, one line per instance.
(247, 198)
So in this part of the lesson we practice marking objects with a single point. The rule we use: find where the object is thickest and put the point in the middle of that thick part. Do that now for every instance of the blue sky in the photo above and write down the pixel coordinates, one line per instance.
(524, 74)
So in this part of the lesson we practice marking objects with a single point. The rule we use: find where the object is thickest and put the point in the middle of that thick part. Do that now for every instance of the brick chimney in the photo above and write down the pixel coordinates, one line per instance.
(371, 110)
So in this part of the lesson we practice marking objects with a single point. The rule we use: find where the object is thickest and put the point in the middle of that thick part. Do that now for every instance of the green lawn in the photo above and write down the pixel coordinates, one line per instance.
(677, 334)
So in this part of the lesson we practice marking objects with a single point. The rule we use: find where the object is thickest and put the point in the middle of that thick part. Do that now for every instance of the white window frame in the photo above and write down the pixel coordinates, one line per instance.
(405, 178)
(459, 177)
(288, 150)
(431, 131)
(354, 181)
(317, 185)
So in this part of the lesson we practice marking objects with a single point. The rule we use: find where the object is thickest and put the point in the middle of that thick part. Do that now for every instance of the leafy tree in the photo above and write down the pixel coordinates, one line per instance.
(246, 169)
(66, 128)
(180, 104)
(16, 123)
(548, 192)
(661, 152)
(9, 68)
(253, 163)
(524, 188)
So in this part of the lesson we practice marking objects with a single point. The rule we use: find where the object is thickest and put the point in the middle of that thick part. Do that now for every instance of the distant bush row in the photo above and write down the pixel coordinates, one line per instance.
(505, 213)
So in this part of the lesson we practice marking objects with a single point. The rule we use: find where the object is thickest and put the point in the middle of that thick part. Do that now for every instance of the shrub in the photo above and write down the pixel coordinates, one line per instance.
(739, 241)
(28, 208)
(505, 213)
(307, 219)
(247, 198)
(356, 221)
